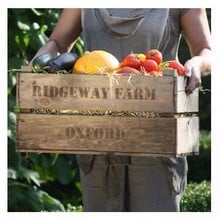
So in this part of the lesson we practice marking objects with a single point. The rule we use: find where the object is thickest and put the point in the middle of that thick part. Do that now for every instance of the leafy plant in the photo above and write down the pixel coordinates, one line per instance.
(35, 182)
(200, 166)
(24, 197)
(197, 197)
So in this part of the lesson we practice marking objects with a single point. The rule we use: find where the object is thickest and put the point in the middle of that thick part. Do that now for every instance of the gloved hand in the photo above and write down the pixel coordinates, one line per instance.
(50, 48)
(193, 72)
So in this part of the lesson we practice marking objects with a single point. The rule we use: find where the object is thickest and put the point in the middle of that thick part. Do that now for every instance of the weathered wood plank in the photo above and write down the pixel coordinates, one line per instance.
(184, 102)
(105, 134)
(101, 92)
(187, 130)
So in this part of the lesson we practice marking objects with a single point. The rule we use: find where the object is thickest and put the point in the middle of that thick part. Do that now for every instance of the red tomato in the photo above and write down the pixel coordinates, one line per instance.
(155, 55)
(125, 71)
(150, 66)
(131, 60)
(173, 64)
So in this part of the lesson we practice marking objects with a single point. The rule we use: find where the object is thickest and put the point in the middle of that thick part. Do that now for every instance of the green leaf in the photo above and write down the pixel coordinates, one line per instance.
(23, 26)
(51, 203)
(16, 110)
(12, 117)
(25, 198)
(30, 175)
(43, 28)
(36, 12)
(36, 26)
(26, 40)
(12, 173)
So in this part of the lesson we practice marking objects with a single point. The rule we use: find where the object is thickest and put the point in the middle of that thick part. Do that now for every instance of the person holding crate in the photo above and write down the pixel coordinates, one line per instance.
(130, 183)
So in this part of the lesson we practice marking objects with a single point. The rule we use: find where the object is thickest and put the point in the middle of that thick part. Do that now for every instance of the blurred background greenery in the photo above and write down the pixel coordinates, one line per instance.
(50, 182)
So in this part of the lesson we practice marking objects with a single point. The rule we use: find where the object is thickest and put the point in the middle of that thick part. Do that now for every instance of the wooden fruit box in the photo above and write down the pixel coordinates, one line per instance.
(100, 114)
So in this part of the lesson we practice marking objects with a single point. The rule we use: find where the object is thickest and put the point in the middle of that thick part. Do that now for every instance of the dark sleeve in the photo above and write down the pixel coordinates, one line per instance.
(182, 11)
(174, 17)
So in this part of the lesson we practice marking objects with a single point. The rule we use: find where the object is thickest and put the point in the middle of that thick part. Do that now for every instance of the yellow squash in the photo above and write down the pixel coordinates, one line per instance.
(96, 62)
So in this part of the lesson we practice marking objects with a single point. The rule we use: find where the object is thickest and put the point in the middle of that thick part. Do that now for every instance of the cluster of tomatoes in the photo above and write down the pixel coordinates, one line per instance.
(150, 63)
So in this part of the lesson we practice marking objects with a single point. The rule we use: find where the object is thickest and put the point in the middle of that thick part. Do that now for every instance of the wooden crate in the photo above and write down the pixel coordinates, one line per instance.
(99, 114)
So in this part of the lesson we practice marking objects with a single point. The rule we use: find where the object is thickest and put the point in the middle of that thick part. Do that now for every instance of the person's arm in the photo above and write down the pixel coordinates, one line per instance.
(197, 35)
(65, 34)
(67, 29)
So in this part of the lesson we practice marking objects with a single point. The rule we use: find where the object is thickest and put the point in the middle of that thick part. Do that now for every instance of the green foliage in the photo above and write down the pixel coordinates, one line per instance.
(71, 208)
(197, 197)
(36, 182)
(28, 198)
(200, 166)
(59, 175)
(28, 30)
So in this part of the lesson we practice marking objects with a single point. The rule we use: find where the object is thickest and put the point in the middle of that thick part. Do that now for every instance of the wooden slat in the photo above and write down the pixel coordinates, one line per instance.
(187, 129)
(101, 92)
(105, 134)
(184, 102)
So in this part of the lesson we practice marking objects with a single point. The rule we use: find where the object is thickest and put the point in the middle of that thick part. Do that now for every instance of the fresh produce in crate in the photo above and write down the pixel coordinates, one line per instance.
(96, 61)
(64, 61)
(149, 66)
(173, 64)
(150, 63)
(155, 55)
(49, 63)
(131, 60)
(126, 70)
(103, 62)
